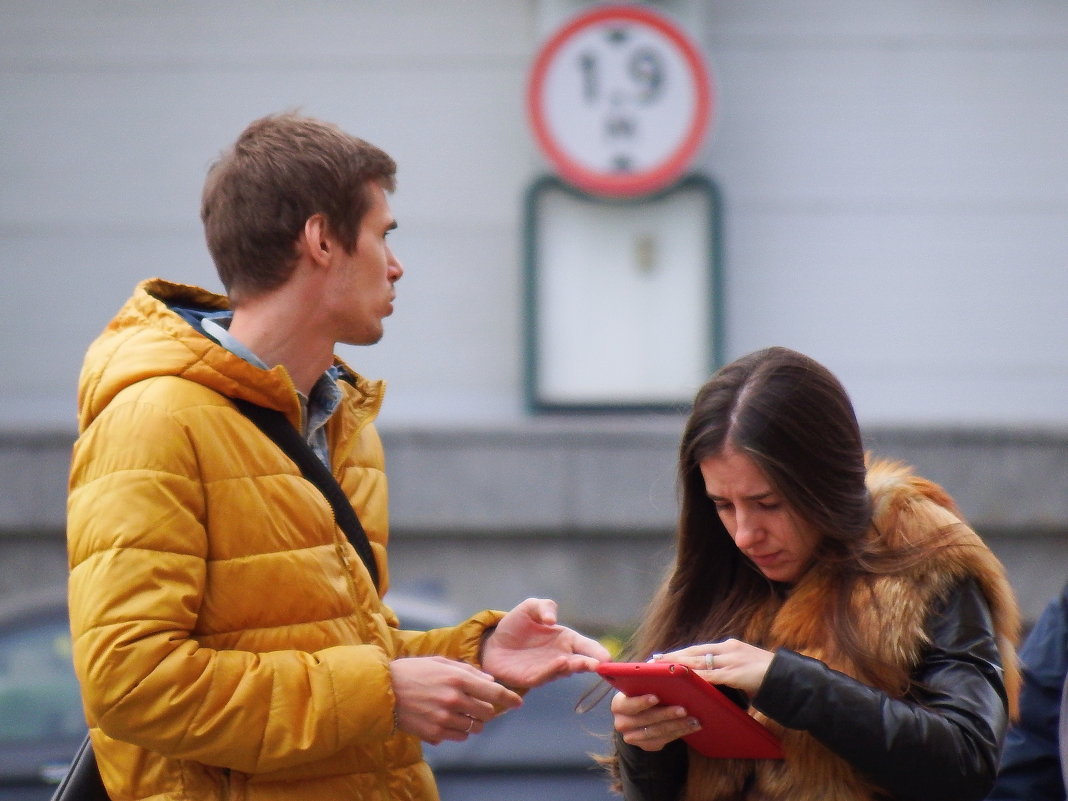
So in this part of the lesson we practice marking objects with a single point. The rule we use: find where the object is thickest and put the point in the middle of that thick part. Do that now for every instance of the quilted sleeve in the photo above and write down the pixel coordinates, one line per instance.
(140, 557)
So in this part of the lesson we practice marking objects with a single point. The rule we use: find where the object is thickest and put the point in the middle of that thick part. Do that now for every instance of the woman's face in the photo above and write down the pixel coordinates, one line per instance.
(760, 522)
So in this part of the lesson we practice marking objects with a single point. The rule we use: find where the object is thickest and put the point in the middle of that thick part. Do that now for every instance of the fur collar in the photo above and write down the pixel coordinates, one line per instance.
(891, 611)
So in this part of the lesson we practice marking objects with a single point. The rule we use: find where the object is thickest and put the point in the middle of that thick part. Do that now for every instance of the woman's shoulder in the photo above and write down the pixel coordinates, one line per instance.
(918, 527)
(896, 487)
(911, 513)
(918, 524)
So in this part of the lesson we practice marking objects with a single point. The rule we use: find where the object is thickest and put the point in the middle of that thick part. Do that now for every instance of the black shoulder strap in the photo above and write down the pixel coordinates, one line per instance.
(275, 425)
(82, 780)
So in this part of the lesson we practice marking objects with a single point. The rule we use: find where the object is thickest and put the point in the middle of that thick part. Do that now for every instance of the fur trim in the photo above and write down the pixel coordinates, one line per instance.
(911, 516)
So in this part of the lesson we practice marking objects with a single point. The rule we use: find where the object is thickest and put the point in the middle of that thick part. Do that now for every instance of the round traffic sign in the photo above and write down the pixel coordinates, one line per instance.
(620, 100)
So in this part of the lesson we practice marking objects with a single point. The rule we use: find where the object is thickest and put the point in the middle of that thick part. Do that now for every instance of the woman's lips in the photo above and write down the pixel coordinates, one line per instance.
(765, 559)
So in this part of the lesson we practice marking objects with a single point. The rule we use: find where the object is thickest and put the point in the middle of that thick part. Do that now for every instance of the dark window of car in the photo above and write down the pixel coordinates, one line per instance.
(39, 700)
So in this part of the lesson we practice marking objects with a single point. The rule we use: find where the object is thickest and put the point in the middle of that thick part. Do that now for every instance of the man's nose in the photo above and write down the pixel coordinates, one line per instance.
(396, 269)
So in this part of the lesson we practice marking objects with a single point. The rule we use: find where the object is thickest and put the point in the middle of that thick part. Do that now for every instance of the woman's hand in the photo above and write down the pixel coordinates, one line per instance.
(731, 662)
(644, 722)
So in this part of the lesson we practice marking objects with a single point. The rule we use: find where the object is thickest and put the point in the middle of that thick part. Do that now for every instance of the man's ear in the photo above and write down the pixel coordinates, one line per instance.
(315, 239)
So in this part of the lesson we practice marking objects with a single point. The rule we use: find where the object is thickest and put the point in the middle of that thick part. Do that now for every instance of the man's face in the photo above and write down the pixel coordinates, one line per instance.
(362, 292)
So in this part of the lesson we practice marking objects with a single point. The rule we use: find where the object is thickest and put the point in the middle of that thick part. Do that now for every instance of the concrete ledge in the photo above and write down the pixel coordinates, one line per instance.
(1002, 479)
(599, 474)
(581, 510)
(620, 475)
(33, 480)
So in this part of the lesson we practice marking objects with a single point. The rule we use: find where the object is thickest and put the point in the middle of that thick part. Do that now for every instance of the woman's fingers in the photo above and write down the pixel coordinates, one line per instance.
(732, 662)
(657, 733)
(644, 722)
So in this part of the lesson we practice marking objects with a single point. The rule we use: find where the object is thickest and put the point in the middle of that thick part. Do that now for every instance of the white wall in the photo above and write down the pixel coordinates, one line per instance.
(112, 112)
(894, 175)
(897, 186)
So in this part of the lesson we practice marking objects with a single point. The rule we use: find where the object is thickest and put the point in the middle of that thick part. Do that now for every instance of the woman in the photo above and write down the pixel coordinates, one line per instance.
(849, 606)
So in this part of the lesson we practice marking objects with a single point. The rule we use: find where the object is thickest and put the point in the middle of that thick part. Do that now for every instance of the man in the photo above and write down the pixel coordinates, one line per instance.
(229, 641)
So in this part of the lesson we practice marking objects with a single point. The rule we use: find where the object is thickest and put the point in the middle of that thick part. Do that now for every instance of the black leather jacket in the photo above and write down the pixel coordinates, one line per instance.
(941, 741)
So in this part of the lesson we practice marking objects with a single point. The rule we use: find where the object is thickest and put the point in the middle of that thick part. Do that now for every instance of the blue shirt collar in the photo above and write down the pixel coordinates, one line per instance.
(319, 406)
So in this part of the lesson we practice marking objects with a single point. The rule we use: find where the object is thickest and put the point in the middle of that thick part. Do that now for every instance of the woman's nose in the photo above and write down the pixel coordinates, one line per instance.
(747, 532)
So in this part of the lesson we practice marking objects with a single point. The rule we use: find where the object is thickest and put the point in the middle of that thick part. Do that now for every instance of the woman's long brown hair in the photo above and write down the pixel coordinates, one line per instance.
(793, 418)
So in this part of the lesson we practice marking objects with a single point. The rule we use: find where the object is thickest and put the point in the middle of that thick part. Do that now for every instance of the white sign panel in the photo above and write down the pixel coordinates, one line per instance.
(623, 299)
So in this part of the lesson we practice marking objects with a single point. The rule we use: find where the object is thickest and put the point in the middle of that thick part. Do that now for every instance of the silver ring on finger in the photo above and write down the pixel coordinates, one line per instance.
(710, 661)
(470, 724)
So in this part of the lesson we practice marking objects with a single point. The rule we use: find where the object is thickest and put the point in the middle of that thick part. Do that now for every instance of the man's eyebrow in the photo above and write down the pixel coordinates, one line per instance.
(392, 226)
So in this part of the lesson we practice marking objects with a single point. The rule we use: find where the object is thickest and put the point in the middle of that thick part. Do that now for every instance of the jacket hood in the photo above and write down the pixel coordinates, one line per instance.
(148, 338)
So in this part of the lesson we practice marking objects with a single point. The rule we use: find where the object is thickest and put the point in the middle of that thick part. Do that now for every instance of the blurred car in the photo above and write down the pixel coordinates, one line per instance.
(540, 751)
(41, 722)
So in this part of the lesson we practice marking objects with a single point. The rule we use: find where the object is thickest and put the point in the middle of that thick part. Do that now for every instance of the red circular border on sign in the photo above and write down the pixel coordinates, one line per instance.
(609, 183)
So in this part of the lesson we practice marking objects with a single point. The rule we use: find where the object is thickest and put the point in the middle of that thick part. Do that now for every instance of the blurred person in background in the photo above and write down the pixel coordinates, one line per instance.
(229, 640)
(1062, 733)
(847, 605)
(1033, 762)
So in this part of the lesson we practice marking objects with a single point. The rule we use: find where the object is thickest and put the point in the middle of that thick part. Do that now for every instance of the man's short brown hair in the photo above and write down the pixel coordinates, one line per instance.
(282, 170)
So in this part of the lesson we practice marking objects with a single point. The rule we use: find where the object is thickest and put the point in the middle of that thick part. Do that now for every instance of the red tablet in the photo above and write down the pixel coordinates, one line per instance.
(727, 731)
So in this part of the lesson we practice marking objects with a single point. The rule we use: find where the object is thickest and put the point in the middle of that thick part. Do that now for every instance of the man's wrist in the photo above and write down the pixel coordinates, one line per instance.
(486, 634)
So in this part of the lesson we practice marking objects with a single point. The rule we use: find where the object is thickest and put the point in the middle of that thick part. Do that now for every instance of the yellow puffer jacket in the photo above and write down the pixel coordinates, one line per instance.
(229, 642)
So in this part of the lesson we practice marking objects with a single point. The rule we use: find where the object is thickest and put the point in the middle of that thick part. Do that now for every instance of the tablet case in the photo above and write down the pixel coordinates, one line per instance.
(727, 731)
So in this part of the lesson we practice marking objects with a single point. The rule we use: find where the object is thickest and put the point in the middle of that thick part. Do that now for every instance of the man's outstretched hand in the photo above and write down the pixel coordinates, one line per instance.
(529, 648)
